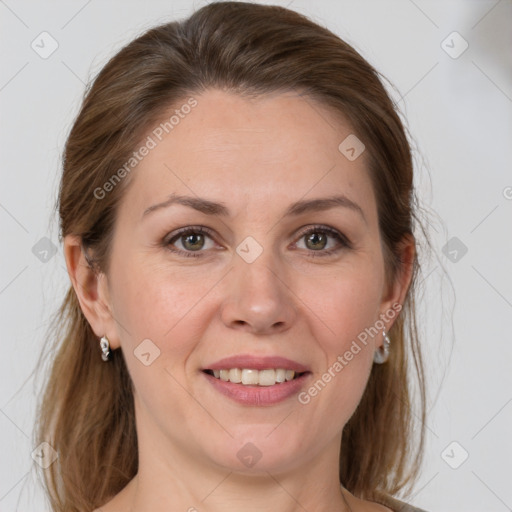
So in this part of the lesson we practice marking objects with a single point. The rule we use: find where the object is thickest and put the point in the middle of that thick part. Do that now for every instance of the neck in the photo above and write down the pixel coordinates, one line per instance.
(170, 479)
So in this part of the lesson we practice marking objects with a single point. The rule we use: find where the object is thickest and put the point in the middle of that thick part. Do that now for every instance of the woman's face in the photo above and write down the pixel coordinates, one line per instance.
(274, 273)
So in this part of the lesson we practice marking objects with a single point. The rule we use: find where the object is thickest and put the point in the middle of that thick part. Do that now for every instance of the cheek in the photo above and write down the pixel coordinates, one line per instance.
(171, 311)
(347, 356)
(347, 304)
(156, 304)
(160, 330)
(347, 308)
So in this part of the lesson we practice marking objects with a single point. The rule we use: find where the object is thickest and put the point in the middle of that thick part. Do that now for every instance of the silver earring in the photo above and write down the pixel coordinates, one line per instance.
(382, 353)
(105, 348)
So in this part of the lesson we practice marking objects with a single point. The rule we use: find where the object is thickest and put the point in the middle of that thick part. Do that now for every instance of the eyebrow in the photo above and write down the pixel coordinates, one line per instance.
(213, 208)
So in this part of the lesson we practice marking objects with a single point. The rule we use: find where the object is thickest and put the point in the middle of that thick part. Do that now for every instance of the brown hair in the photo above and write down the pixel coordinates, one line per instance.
(86, 412)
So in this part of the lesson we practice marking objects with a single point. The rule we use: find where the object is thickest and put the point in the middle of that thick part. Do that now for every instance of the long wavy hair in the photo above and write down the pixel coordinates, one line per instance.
(85, 410)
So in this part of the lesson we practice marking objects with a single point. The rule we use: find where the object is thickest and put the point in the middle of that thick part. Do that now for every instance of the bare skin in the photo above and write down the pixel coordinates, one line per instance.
(257, 157)
(123, 501)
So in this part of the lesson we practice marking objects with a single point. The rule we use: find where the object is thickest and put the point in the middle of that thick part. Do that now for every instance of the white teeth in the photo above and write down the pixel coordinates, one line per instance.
(235, 375)
(280, 375)
(250, 377)
(267, 377)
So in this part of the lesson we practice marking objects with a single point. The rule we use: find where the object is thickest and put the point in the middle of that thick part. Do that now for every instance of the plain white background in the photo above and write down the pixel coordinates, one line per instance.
(458, 106)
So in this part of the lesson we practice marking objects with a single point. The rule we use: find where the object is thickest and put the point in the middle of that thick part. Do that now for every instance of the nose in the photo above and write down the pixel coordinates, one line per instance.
(258, 297)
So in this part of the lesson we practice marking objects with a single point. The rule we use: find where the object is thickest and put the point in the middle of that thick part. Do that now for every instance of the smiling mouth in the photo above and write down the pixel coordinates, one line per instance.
(252, 377)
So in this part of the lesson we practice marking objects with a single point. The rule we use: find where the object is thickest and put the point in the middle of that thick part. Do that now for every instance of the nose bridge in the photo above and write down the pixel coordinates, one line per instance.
(257, 297)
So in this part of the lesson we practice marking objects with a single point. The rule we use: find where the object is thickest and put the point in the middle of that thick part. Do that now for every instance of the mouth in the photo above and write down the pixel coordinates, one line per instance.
(257, 380)
(255, 377)
(257, 388)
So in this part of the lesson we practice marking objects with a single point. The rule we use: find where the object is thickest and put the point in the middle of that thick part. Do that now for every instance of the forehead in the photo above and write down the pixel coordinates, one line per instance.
(249, 152)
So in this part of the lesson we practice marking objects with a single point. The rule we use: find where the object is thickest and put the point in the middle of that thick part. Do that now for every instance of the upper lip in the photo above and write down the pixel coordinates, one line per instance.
(257, 363)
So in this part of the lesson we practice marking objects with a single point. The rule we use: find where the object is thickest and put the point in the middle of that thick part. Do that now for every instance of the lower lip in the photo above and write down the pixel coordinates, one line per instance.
(258, 395)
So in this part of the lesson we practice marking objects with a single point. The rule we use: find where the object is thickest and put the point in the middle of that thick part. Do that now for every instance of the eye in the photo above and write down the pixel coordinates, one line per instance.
(317, 239)
(192, 239)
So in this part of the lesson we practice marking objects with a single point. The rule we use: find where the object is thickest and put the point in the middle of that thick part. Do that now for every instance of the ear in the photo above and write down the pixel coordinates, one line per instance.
(396, 290)
(91, 288)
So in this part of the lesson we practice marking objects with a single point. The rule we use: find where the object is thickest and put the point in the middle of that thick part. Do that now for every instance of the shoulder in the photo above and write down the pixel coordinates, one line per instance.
(399, 506)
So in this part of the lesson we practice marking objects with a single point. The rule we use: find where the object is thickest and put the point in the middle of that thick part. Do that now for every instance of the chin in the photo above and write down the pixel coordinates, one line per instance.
(257, 450)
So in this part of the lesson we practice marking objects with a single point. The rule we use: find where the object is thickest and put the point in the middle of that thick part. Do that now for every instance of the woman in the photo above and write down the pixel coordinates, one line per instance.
(236, 207)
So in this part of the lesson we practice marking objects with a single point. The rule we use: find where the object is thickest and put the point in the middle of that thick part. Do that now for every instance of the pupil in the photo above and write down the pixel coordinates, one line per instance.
(315, 237)
(197, 236)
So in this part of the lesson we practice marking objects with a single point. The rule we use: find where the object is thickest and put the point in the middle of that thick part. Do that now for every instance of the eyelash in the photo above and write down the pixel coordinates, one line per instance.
(342, 239)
